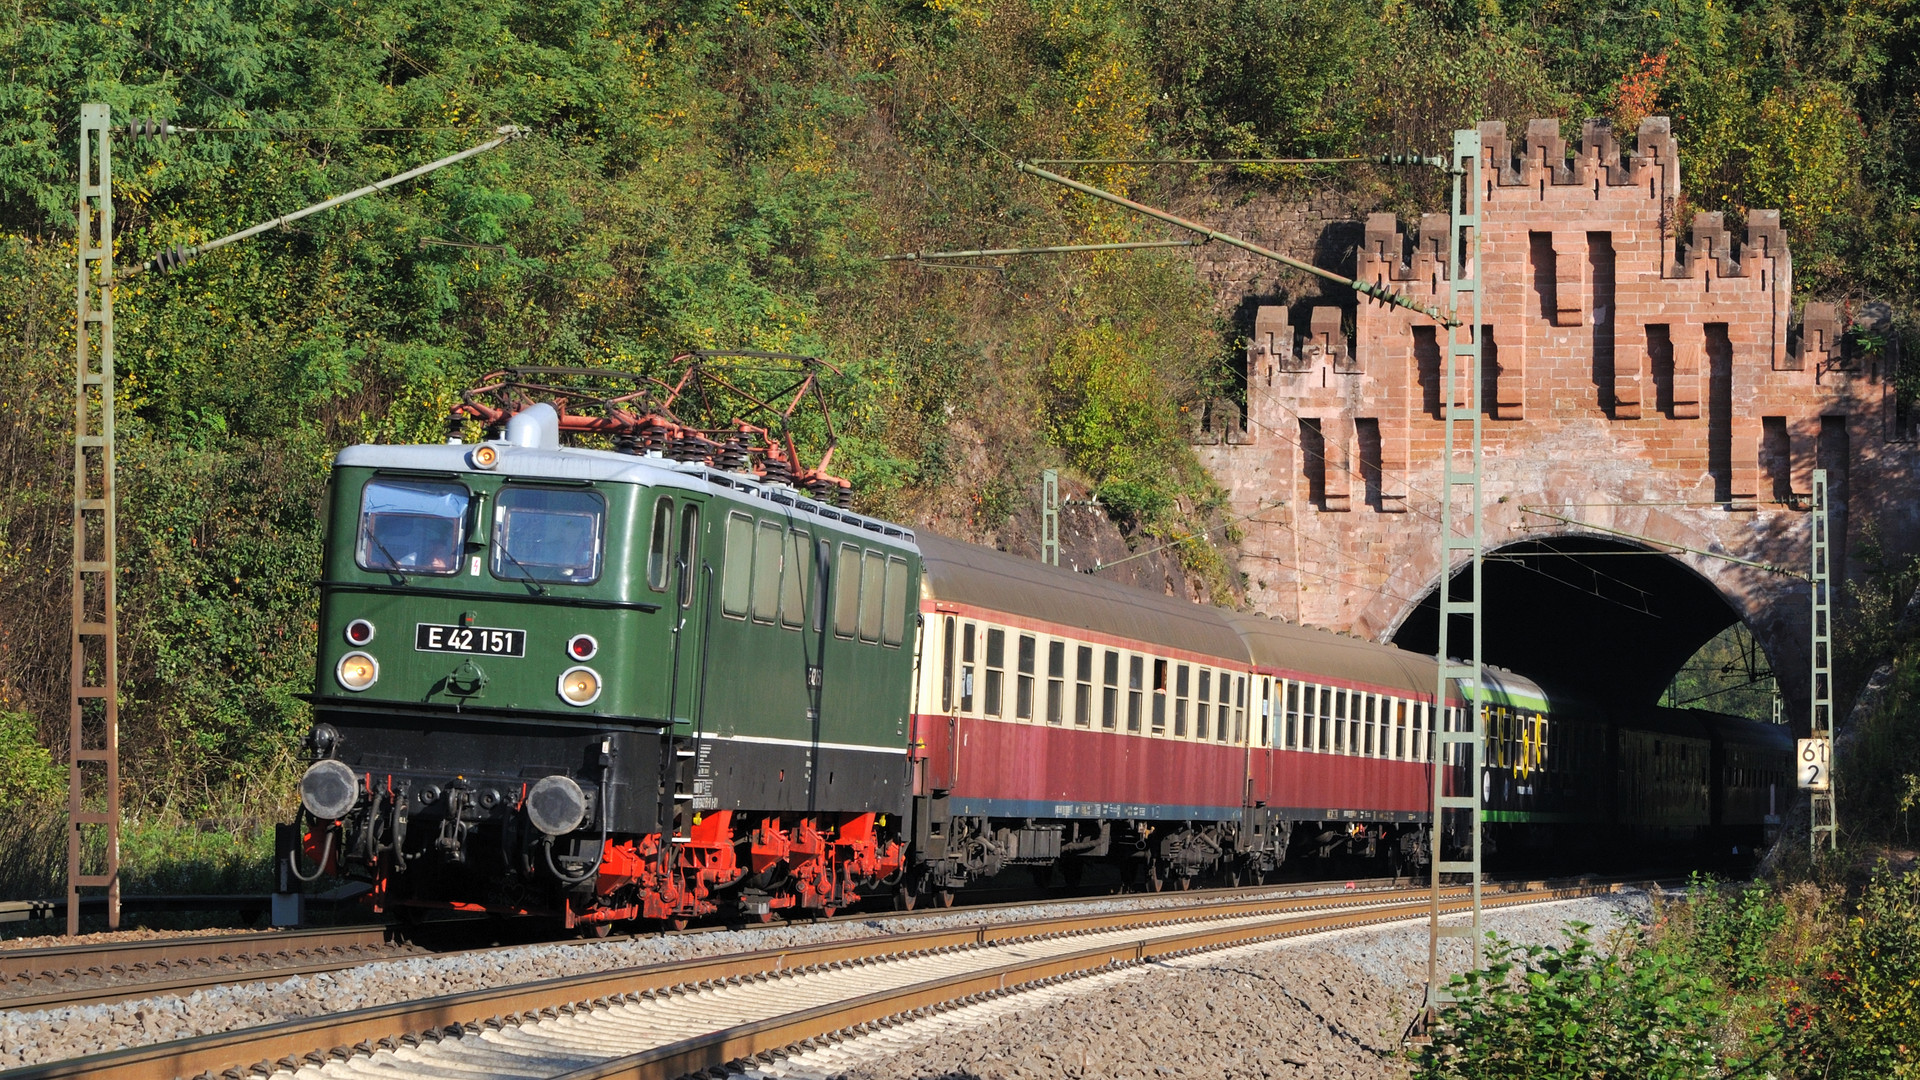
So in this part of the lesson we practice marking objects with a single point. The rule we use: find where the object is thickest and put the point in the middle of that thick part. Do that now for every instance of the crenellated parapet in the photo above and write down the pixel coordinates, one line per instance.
(1619, 338)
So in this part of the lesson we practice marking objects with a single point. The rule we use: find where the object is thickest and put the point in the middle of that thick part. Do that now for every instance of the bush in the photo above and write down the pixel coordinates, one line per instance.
(1860, 1017)
(1632, 1011)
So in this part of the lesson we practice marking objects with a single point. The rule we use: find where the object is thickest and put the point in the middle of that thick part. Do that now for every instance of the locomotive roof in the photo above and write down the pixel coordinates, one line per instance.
(970, 574)
(1290, 647)
(606, 466)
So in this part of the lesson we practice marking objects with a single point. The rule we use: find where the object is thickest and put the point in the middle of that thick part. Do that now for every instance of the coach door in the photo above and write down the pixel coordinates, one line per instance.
(692, 591)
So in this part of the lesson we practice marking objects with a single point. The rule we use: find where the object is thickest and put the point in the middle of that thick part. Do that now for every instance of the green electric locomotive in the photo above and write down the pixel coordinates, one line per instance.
(517, 701)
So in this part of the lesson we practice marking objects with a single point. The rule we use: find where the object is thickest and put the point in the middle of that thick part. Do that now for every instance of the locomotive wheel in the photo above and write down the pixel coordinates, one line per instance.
(946, 897)
(1154, 882)
(1186, 883)
(904, 899)
(600, 929)
(765, 916)
(678, 922)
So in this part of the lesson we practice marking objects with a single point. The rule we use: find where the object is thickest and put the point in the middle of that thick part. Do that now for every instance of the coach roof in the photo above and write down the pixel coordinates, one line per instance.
(981, 577)
(1291, 648)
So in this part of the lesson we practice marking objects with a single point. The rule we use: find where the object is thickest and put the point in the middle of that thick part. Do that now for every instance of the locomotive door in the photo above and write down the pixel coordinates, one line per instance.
(691, 588)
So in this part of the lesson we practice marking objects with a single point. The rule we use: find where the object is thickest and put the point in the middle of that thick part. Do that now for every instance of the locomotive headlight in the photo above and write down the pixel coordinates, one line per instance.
(357, 671)
(359, 632)
(582, 647)
(580, 686)
(484, 457)
(556, 805)
(328, 790)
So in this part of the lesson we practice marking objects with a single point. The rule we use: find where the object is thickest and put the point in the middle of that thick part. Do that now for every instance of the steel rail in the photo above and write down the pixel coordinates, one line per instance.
(453, 1014)
(70, 963)
(54, 961)
(734, 1044)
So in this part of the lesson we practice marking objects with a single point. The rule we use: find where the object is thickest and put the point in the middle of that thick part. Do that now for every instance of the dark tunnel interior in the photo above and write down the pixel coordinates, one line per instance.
(1606, 620)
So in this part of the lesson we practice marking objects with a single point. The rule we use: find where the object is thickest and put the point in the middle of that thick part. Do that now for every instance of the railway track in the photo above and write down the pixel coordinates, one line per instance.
(86, 973)
(100, 973)
(667, 1020)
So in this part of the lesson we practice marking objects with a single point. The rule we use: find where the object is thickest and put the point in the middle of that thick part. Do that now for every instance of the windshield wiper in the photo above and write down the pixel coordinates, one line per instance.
(532, 582)
(393, 561)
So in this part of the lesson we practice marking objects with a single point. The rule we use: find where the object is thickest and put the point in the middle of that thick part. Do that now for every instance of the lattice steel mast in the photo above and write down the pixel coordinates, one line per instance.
(1457, 748)
(93, 719)
(1821, 811)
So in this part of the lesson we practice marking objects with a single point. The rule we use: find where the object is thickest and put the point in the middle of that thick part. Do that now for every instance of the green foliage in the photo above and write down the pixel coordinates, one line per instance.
(29, 777)
(1862, 1014)
(1629, 1012)
(1733, 981)
(1729, 674)
(1730, 934)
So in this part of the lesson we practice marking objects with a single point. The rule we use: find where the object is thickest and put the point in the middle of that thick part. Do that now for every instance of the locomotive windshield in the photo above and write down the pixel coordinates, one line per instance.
(548, 535)
(411, 526)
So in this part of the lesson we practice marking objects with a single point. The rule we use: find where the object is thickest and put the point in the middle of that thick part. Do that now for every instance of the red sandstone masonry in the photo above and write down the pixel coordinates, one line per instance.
(1580, 250)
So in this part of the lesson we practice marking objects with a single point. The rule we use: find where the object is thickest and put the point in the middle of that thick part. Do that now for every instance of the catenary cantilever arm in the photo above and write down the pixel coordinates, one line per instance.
(1365, 288)
(178, 256)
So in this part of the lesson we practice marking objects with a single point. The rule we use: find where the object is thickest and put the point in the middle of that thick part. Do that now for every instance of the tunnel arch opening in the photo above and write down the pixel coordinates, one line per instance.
(1608, 620)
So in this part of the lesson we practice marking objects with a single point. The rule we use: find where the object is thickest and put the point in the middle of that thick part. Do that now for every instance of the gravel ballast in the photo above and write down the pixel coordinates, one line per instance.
(30, 1038)
(1332, 1005)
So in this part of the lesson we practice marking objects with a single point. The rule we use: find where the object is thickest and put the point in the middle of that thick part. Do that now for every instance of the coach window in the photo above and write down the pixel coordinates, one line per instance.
(1373, 703)
(1056, 681)
(1308, 725)
(1023, 688)
(793, 581)
(996, 660)
(1159, 697)
(893, 630)
(1239, 733)
(738, 583)
(1341, 744)
(966, 668)
(1083, 687)
(1400, 731)
(1200, 704)
(1266, 712)
(873, 573)
(659, 548)
(1182, 688)
(846, 590)
(1325, 715)
(946, 669)
(1136, 679)
(1110, 690)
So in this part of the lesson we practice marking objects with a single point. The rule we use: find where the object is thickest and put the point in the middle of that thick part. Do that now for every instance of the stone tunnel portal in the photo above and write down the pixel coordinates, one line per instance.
(1600, 618)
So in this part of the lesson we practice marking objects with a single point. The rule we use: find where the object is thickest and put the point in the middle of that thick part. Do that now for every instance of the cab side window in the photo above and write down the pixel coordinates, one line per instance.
(873, 572)
(898, 603)
(846, 591)
(793, 581)
(766, 571)
(659, 546)
(738, 582)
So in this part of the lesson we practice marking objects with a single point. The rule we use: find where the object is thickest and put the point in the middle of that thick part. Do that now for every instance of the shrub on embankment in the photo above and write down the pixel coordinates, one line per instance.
(1730, 982)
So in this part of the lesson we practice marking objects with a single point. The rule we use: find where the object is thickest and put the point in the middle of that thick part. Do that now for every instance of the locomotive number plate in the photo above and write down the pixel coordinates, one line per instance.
(432, 637)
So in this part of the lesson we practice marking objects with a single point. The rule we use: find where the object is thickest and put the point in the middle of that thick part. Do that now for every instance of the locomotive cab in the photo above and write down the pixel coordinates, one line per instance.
(497, 668)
